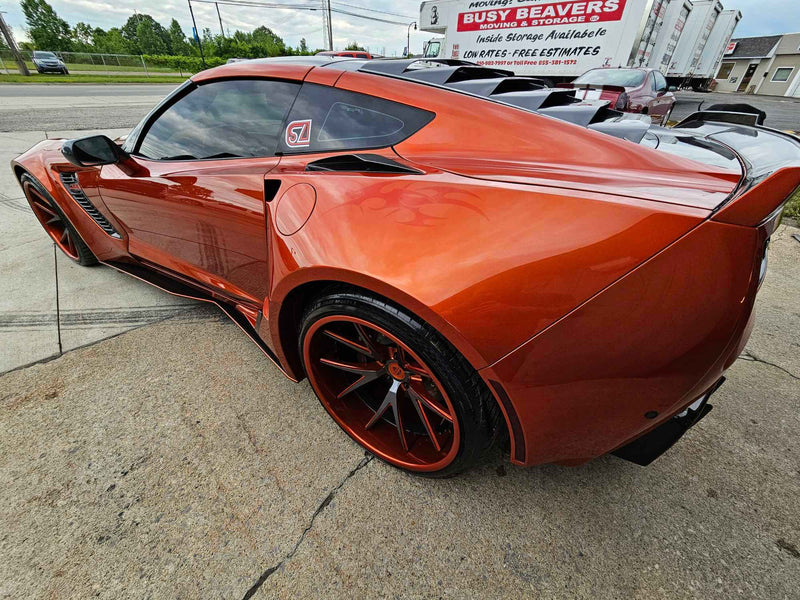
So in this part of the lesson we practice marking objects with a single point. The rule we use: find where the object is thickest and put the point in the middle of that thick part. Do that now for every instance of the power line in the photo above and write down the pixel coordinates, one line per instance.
(384, 12)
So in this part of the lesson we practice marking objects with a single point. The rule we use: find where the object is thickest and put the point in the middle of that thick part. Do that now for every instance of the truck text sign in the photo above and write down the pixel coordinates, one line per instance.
(567, 12)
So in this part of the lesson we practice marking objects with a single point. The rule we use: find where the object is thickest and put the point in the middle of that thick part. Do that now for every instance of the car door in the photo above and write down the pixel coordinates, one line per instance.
(663, 100)
(192, 196)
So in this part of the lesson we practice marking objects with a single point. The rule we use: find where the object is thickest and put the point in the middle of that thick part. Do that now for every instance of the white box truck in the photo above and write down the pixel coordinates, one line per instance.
(696, 32)
(677, 12)
(553, 39)
(715, 46)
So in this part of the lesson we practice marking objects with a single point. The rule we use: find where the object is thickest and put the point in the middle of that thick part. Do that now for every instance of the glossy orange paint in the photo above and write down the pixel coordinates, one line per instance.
(579, 273)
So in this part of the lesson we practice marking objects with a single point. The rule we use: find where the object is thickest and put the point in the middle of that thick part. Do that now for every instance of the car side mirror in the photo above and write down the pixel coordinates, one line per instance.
(93, 151)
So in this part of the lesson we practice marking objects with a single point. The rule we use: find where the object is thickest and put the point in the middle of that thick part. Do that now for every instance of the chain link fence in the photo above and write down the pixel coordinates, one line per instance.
(94, 64)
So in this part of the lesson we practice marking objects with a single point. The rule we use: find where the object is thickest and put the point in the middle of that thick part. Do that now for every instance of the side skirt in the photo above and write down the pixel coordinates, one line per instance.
(177, 288)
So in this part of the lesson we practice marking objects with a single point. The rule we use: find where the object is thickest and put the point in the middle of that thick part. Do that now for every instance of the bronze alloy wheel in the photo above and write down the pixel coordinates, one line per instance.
(381, 393)
(52, 221)
(55, 223)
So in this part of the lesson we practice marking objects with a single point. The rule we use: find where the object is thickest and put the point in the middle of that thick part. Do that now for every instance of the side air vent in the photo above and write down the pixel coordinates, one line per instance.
(360, 163)
(70, 181)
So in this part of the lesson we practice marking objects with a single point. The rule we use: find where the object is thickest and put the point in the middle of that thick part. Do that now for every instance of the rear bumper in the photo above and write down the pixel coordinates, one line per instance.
(638, 353)
(648, 447)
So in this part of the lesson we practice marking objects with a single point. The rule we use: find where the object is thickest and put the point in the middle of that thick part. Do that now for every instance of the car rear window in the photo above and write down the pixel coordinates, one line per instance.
(328, 119)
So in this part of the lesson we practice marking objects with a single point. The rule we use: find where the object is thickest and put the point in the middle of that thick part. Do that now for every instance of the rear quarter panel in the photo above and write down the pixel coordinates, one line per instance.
(488, 264)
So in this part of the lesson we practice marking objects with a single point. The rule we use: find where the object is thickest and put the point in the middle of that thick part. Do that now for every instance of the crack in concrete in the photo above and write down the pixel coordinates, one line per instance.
(750, 357)
(268, 572)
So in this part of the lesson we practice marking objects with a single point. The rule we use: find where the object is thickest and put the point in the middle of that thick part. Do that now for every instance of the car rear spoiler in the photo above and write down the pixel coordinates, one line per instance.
(718, 116)
(762, 203)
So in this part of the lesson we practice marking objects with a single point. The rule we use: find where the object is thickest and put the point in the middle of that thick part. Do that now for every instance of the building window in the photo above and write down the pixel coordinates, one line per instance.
(725, 70)
(782, 74)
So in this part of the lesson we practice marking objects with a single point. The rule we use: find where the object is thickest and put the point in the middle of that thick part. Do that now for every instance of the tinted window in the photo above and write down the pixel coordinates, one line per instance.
(661, 83)
(222, 119)
(622, 77)
(38, 54)
(325, 119)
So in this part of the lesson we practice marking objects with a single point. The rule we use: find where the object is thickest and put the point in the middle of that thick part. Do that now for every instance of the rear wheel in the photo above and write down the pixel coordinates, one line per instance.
(396, 386)
(55, 223)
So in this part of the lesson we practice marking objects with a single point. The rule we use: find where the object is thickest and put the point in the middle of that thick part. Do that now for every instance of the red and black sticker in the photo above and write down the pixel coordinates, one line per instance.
(298, 134)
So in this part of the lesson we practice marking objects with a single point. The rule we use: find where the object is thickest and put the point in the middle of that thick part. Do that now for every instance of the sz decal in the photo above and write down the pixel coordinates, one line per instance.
(298, 134)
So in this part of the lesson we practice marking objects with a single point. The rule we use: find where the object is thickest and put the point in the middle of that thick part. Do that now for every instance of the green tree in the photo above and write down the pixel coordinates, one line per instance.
(47, 30)
(110, 42)
(303, 48)
(82, 35)
(177, 40)
(145, 35)
(354, 46)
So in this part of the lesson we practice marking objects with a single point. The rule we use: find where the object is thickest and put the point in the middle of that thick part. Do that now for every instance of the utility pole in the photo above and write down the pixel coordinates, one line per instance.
(197, 35)
(326, 16)
(6, 31)
(408, 38)
(219, 16)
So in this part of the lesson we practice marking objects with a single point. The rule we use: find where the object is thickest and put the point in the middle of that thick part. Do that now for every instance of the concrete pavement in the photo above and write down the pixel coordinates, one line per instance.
(175, 461)
(162, 455)
(93, 303)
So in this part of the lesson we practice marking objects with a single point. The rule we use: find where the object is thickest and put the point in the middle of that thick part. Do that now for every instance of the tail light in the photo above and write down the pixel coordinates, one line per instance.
(622, 101)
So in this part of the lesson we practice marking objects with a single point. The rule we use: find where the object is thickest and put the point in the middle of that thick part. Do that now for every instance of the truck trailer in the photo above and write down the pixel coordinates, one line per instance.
(558, 40)
(696, 33)
(712, 55)
(553, 39)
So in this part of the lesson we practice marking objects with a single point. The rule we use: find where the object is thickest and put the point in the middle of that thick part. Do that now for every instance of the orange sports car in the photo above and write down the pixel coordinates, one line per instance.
(455, 257)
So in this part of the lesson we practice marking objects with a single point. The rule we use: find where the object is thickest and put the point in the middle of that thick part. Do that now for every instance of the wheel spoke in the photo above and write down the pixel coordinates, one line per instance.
(351, 368)
(44, 207)
(361, 381)
(430, 404)
(388, 401)
(365, 338)
(55, 219)
(65, 236)
(426, 423)
(361, 349)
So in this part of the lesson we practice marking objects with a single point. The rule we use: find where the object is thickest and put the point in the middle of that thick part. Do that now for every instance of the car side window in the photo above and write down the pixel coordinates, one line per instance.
(329, 119)
(660, 82)
(221, 119)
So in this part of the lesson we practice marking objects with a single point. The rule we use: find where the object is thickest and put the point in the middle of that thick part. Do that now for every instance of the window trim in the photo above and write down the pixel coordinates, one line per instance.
(788, 77)
(183, 91)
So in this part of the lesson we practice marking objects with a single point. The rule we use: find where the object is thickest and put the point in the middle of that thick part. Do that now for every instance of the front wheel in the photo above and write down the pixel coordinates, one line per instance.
(56, 224)
(396, 386)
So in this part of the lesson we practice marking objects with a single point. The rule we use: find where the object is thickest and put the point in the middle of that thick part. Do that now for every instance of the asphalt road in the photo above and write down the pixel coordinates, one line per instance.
(782, 113)
(31, 107)
(162, 455)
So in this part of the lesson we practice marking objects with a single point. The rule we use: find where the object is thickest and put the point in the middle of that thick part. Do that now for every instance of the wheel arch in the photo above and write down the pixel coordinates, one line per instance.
(288, 310)
(294, 292)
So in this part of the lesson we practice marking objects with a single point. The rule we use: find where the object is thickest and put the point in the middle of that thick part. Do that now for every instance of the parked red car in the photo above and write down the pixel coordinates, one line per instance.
(347, 54)
(544, 274)
(641, 91)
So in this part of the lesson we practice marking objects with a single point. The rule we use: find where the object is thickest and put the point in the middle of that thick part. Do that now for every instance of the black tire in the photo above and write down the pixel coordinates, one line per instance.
(65, 71)
(481, 422)
(86, 257)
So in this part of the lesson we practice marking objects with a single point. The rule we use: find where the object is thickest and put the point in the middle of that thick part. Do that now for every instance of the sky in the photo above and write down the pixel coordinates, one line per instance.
(760, 17)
